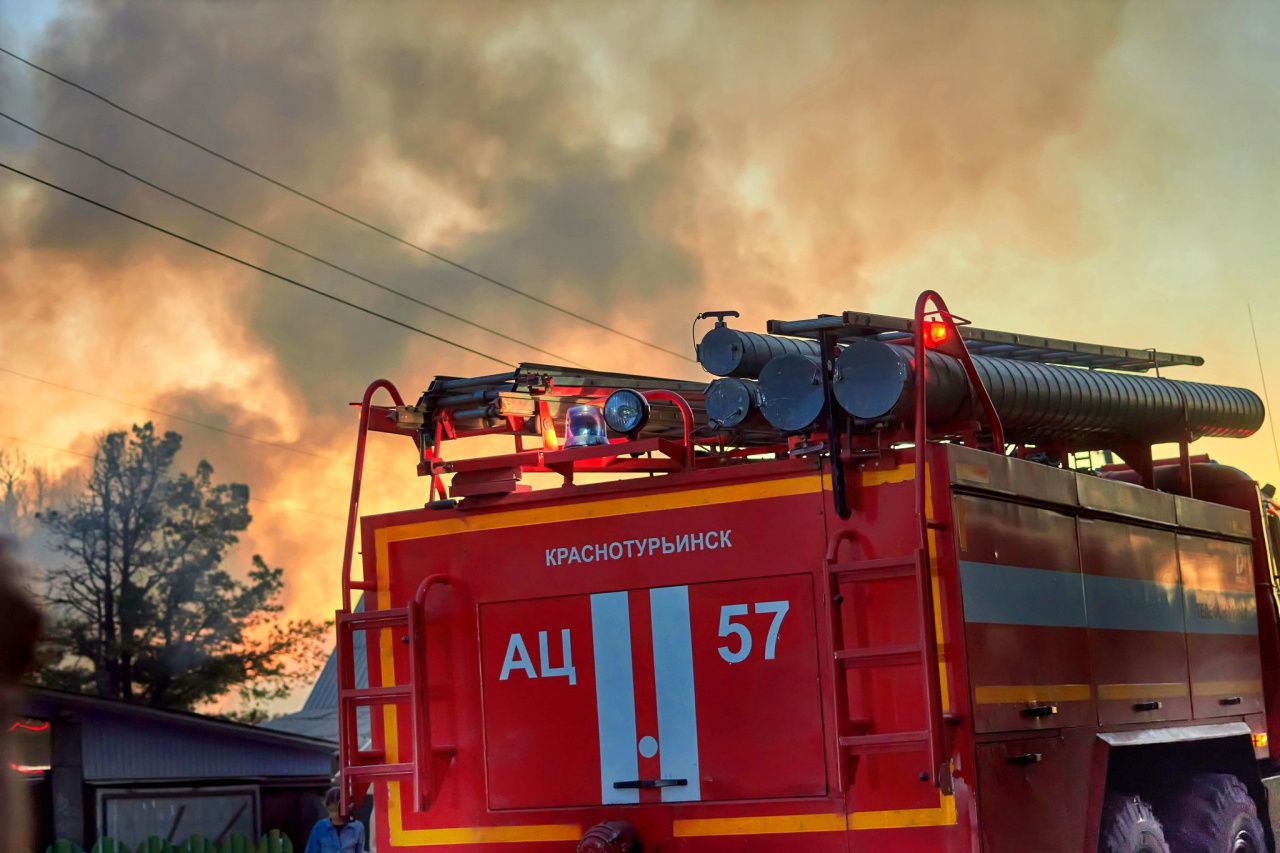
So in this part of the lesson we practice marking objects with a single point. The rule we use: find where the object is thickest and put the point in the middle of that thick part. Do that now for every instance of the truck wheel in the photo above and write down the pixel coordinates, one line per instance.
(1130, 826)
(1213, 813)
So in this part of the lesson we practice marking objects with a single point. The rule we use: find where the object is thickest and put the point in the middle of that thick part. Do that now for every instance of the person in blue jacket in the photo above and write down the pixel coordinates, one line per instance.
(335, 834)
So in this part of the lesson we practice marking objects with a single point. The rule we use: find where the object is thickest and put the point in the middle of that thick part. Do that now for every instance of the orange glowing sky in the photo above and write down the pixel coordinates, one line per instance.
(1101, 172)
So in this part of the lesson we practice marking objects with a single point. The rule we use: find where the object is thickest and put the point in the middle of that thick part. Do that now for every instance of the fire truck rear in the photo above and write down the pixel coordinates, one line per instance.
(865, 591)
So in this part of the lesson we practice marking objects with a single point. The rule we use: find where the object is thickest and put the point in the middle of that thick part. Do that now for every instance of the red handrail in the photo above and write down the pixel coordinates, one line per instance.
(924, 572)
(357, 475)
(424, 777)
(844, 534)
(686, 417)
(955, 346)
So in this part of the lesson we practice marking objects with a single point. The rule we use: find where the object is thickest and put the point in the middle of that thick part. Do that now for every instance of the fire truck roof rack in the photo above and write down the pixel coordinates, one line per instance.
(538, 378)
(519, 397)
(579, 377)
(988, 342)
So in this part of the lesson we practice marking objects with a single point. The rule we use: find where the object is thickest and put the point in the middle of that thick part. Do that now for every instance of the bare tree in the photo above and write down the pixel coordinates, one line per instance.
(22, 491)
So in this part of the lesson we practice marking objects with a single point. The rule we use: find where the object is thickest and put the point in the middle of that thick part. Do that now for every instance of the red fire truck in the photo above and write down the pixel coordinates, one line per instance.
(865, 591)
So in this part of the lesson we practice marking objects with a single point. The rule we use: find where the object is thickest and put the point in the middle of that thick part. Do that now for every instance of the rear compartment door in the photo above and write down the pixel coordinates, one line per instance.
(1134, 603)
(1025, 621)
(698, 692)
(1222, 626)
(1033, 798)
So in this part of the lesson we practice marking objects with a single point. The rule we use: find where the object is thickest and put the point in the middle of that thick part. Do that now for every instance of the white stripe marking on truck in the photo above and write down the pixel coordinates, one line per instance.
(673, 682)
(615, 695)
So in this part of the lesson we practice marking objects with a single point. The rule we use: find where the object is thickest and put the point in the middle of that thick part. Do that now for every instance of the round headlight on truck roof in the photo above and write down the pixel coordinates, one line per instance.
(626, 411)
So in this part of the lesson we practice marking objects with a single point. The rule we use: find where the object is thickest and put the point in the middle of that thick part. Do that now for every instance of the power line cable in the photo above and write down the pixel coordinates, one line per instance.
(1263, 374)
(254, 266)
(409, 297)
(338, 211)
(172, 416)
(92, 457)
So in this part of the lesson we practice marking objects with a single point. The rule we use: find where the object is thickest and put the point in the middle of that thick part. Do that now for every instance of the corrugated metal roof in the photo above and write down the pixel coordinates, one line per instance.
(324, 695)
(117, 747)
(122, 741)
(321, 724)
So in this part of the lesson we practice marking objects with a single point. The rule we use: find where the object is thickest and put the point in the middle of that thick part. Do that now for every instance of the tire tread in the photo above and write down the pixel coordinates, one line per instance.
(1130, 826)
(1204, 808)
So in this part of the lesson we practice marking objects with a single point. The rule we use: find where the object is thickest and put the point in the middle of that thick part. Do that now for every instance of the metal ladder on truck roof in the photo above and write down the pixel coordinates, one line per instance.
(359, 767)
(916, 565)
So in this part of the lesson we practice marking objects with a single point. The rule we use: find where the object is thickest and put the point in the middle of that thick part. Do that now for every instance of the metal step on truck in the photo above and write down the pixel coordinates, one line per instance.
(884, 584)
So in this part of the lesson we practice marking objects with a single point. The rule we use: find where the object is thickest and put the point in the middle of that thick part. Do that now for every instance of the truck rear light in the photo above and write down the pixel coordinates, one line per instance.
(936, 333)
(1259, 740)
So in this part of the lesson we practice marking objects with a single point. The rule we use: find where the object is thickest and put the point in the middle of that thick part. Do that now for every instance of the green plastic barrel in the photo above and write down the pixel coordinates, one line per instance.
(237, 843)
(64, 846)
(275, 842)
(155, 844)
(197, 844)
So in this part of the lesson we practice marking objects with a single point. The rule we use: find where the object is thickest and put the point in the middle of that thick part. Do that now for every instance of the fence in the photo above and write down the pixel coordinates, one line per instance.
(272, 842)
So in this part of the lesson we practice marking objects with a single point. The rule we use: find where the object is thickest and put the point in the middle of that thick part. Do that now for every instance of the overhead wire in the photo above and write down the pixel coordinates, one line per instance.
(190, 241)
(338, 211)
(1262, 374)
(182, 418)
(256, 232)
(282, 504)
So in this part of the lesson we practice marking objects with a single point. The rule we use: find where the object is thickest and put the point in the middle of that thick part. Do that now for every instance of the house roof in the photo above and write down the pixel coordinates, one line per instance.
(41, 701)
(319, 715)
(125, 741)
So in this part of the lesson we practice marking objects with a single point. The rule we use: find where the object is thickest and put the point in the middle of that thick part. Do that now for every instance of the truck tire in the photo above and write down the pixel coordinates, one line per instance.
(1213, 813)
(1130, 826)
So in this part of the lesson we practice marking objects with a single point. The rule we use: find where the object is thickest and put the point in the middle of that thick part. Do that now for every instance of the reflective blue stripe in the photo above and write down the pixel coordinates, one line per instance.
(1017, 595)
(673, 681)
(1132, 604)
(615, 696)
(1213, 612)
(1013, 595)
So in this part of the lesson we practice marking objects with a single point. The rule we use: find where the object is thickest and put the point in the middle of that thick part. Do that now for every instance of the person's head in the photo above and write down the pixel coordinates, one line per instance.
(333, 805)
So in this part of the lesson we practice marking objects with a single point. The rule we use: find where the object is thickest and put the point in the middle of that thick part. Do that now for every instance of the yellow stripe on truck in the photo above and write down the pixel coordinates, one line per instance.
(942, 815)
(1003, 694)
(1159, 690)
(784, 487)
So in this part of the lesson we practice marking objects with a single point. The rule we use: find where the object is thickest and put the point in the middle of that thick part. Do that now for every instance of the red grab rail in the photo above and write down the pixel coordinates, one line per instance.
(953, 344)
(357, 475)
(426, 754)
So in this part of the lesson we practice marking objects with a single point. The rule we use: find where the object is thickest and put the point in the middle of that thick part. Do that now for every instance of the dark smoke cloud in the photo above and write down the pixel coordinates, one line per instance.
(635, 162)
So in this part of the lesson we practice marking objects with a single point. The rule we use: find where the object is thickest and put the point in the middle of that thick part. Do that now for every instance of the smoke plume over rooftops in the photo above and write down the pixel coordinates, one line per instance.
(1099, 171)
